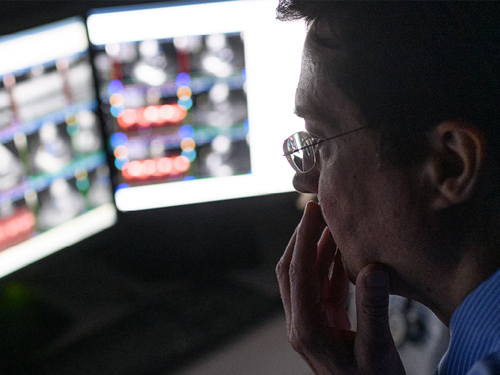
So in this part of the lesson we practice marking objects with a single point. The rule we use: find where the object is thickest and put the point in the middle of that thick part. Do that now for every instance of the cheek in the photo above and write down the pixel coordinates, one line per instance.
(348, 207)
(340, 208)
(343, 199)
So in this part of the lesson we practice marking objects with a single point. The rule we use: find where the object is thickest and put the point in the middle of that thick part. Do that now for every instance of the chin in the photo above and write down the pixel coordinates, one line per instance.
(350, 274)
(398, 287)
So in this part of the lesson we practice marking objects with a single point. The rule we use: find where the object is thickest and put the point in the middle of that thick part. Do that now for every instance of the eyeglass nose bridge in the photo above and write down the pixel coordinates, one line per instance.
(299, 151)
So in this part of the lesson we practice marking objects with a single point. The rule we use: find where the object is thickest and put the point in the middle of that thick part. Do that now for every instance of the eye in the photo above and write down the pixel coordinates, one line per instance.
(315, 142)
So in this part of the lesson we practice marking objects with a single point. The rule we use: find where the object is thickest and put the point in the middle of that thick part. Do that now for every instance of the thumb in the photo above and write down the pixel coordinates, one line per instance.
(375, 349)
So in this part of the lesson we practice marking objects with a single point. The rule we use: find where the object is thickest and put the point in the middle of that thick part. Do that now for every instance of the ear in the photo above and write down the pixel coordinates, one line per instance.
(457, 157)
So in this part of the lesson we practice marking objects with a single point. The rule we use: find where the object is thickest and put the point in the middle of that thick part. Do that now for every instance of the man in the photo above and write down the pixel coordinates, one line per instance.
(401, 107)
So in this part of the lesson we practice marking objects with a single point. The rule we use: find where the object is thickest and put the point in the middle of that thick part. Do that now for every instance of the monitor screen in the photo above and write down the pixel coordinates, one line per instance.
(55, 187)
(197, 99)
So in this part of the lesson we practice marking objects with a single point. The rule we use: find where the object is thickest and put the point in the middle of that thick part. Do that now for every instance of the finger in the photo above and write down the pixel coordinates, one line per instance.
(303, 271)
(326, 253)
(338, 294)
(374, 346)
(282, 273)
(339, 282)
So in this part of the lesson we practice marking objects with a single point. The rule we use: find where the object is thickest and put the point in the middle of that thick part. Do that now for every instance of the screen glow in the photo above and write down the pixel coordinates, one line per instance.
(169, 64)
(55, 187)
(56, 239)
(41, 45)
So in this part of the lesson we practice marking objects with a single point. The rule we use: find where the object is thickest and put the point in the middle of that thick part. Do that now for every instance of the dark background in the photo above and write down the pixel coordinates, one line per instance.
(154, 291)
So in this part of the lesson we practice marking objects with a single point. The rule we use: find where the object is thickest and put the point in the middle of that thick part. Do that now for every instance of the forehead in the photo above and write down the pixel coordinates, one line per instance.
(324, 70)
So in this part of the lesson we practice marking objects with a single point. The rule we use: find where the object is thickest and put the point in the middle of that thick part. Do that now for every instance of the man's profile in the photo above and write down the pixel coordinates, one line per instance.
(402, 149)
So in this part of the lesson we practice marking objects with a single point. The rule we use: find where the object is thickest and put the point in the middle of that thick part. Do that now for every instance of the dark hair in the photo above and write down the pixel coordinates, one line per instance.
(416, 64)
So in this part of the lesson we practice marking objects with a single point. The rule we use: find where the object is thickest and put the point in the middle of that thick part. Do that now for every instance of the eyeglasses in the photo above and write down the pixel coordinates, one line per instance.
(300, 151)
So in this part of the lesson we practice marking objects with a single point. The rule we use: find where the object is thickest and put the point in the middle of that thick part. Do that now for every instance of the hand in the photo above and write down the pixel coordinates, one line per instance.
(315, 299)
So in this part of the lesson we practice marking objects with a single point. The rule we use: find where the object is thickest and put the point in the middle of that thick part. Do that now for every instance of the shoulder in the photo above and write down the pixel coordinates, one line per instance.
(489, 365)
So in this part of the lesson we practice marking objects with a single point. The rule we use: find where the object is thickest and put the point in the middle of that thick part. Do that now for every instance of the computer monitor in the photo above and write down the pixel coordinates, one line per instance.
(55, 187)
(197, 98)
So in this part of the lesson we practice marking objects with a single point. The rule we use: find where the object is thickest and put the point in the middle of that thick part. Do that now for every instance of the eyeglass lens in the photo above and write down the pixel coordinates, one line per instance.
(299, 152)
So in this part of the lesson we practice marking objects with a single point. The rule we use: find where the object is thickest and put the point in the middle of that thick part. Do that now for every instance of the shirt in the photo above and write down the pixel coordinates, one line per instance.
(487, 366)
(475, 333)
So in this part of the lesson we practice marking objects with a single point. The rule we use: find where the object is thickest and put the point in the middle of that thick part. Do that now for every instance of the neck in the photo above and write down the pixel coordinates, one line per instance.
(442, 289)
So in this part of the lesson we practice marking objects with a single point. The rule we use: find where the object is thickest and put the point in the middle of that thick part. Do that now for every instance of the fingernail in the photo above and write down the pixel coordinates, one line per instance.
(309, 205)
(307, 210)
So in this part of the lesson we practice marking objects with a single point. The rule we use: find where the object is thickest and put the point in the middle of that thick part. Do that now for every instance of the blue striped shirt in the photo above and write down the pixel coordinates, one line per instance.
(475, 333)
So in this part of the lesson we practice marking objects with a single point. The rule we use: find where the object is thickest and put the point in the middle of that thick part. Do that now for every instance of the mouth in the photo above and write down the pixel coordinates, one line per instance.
(337, 255)
(340, 260)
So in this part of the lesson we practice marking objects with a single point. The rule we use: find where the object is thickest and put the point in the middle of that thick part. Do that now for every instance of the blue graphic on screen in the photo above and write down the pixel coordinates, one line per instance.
(176, 108)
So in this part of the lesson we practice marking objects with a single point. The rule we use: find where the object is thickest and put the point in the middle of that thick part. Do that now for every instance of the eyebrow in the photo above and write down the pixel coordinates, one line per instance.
(314, 112)
(332, 41)
(326, 42)
(302, 112)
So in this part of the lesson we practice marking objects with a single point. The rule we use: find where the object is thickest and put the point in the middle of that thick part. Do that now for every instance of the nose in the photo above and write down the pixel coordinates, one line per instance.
(307, 182)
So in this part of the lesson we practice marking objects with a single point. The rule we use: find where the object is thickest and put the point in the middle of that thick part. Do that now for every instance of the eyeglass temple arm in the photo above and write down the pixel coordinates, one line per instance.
(321, 141)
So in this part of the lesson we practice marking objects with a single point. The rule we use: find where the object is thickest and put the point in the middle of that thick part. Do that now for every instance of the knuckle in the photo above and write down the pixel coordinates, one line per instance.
(295, 344)
(294, 271)
(279, 268)
(375, 304)
(299, 339)
(281, 271)
(376, 311)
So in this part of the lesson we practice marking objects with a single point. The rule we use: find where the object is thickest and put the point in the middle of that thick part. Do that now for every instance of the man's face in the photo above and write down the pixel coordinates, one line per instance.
(368, 205)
